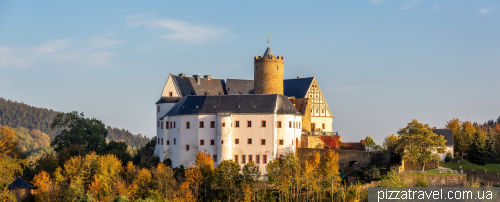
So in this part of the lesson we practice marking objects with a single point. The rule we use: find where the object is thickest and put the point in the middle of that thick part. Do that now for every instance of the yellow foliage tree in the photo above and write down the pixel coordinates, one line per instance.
(193, 178)
(206, 165)
(391, 142)
(330, 170)
(47, 190)
(248, 194)
(164, 181)
(185, 192)
(8, 142)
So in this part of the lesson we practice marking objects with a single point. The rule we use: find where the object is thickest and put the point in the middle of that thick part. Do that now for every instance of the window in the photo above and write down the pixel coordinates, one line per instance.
(222, 142)
(313, 126)
(188, 125)
(158, 108)
(279, 124)
(227, 88)
(249, 141)
(264, 159)
(322, 111)
(243, 159)
(223, 124)
(187, 147)
(237, 124)
(166, 124)
(202, 142)
(161, 141)
(168, 142)
(281, 155)
(212, 142)
(317, 111)
(202, 124)
(281, 142)
(323, 126)
(170, 124)
(257, 159)
(263, 142)
(249, 124)
(215, 158)
(174, 124)
(212, 124)
(170, 94)
(290, 124)
(162, 125)
(174, 141)
(250, 158)
(263, 124)
(158, 140)
(236, 158)
(236, 141)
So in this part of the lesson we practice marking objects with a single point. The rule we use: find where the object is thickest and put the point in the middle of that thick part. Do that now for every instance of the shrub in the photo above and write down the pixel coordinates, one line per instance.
(448, 157)
(392, 179)
(369, 173)
(421, 181)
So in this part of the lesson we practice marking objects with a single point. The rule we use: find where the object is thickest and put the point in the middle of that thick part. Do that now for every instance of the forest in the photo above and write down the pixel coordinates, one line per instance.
(31, 123)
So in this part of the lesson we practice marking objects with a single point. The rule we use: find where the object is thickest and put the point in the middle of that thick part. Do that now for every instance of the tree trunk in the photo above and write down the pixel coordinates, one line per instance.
(423, 167)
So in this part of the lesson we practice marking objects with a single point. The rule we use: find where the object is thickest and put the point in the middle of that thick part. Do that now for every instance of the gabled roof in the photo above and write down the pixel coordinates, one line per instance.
(448, 135)
(189, 86)
(237, 104)
(297, 87)
(240, 86)
(19, 183)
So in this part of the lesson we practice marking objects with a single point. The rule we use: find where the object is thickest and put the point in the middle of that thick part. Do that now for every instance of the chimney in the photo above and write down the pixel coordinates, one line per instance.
(299, 77)
(207, 77)
(197, 77)
(182, 74)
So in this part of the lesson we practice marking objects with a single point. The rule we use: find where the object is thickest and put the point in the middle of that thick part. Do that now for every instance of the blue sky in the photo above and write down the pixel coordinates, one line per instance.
(380, 63)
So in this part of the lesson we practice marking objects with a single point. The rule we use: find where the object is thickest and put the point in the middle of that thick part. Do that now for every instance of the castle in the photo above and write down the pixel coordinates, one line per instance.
(241, 120)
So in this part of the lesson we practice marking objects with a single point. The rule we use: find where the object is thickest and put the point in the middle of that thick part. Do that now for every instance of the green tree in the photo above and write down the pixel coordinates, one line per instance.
(250, 172)
(419, 143)
(76, 129)
(392, 179)
(228, 178)
(478, 152)
(371, 145)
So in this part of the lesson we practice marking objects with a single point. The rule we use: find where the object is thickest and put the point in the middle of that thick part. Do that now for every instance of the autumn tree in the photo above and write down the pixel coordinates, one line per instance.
(463, 134)
(228, 178)
(164, 181)
(205, 164)
(390, 142)
(419, 143)
(330, 170)
(8, 142)
(46, 189)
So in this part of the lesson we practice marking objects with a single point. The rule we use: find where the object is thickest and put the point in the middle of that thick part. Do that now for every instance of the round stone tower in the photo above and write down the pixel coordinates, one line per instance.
(268, 73)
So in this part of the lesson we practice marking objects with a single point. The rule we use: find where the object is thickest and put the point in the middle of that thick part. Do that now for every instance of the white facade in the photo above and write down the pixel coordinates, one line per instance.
(229, 140)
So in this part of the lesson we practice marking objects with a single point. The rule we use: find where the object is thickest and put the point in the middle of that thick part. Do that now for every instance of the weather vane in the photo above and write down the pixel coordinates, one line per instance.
(267, 39)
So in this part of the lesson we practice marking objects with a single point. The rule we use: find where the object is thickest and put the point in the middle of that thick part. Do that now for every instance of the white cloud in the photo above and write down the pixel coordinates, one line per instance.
(5, 83)
(409, 5)
(179, 30)
(377, 2)
(352, 88)
(92, 51)
(485, 10)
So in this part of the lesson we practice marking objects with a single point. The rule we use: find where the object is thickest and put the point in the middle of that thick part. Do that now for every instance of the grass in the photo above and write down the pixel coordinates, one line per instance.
(467, 165)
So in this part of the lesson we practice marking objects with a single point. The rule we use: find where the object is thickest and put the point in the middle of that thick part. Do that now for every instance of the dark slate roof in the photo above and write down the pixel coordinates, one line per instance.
(240, 86)
(237, 104)
(188, 86)
(19, 183)
(168, 100)
(297, 87)
(447, 133)
(268, 52)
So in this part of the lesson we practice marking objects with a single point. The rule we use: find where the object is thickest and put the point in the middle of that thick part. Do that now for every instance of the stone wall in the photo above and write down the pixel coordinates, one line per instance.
(438, 180)
(268, 75)
(488, 178)
(345, 156)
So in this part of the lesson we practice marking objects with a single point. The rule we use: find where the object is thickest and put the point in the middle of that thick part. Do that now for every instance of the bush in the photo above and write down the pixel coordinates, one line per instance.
(369, 173)
(392, 179)
(458, 159)
(448, 157)
(421, 181)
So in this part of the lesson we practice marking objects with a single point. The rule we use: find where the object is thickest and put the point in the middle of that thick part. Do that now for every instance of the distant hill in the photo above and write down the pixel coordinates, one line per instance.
(35, 120)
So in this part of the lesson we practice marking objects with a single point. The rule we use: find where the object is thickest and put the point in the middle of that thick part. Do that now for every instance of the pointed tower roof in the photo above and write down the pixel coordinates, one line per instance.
(268, 52)
(20, 183)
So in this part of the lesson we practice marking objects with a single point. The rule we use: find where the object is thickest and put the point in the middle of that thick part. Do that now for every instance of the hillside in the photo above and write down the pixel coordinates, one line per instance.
(30, 120)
